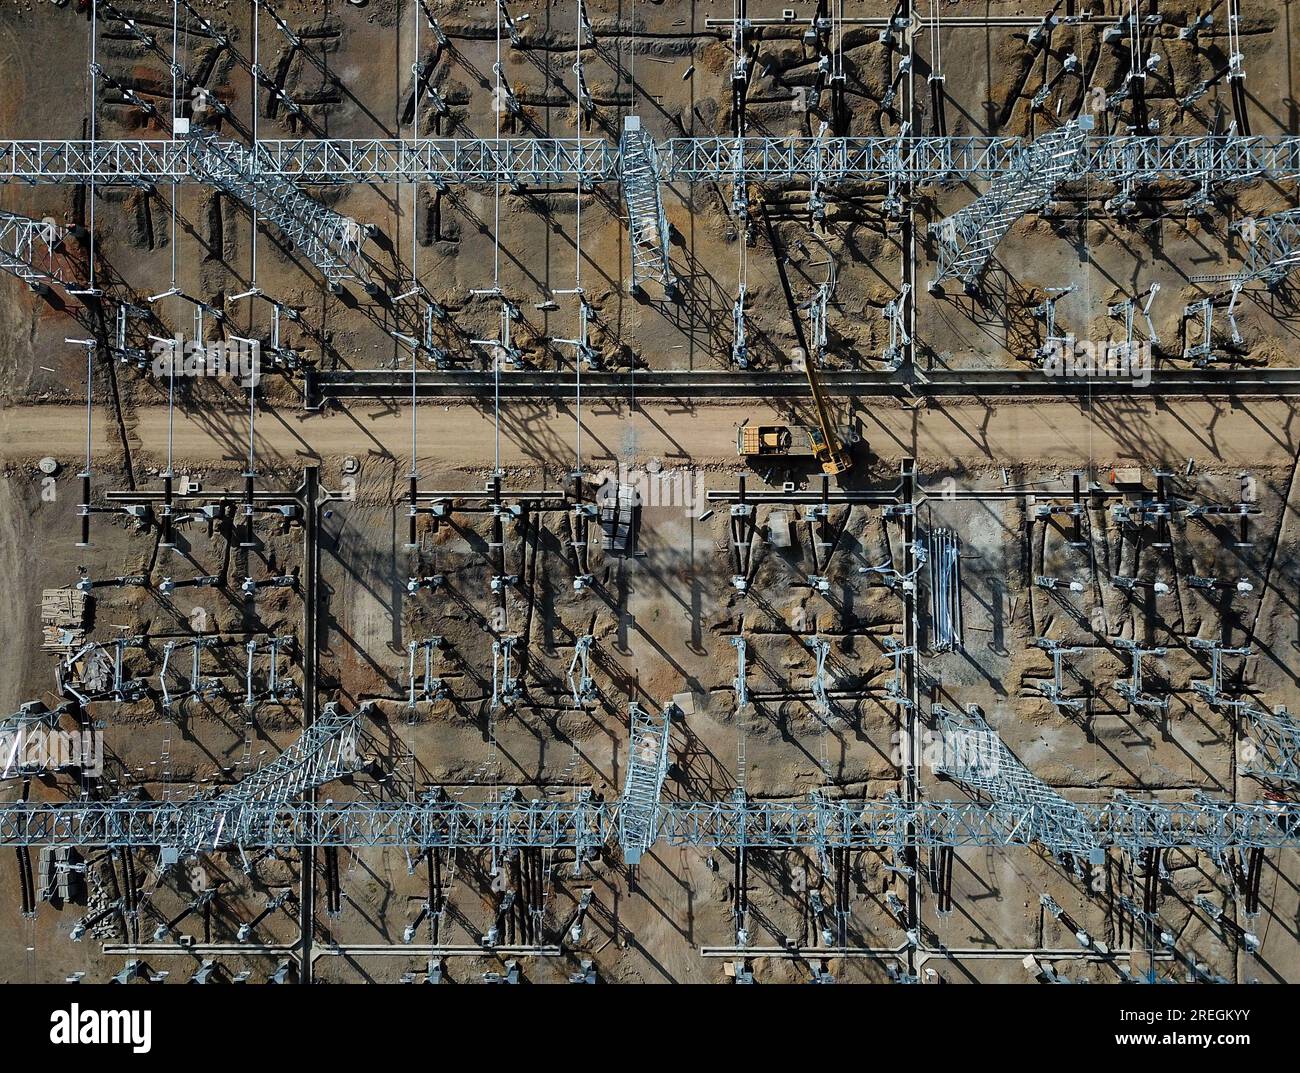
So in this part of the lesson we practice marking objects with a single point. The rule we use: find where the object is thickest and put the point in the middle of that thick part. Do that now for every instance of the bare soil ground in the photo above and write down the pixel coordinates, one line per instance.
(662, 621)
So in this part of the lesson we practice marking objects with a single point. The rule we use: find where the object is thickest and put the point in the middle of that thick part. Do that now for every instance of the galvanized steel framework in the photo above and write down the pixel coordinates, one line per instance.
(29, 249)
(647, 766)
(264, 177)
(1276, 740)
(268, 809)
(331, 241)
(966, 239)
(1272, 246)
(647, 224)
(816, 822)
(539, 161)
(975, 756)
(249, 817)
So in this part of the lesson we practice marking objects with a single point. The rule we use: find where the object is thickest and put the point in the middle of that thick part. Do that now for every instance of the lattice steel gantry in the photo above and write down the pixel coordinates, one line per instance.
(1272, 246)
(974, 755)
(647, 224)
(29, 249)
(331, 241)
(319, 161)
(1125, 823)
(541, 161)
(966, 240)
(647, 767)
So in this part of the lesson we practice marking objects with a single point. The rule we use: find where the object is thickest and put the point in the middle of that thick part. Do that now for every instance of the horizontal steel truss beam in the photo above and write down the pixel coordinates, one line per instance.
(1216, 157)
(507, 160)
(540, 161)
(1126, 824)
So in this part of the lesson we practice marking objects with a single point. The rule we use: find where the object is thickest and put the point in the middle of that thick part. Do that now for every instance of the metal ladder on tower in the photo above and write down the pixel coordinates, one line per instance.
(968, 238)
(331, 241)
(647, 224)
(647, 767)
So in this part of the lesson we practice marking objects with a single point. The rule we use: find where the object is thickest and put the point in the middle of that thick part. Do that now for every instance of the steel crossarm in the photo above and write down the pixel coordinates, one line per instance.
(453, 160)
(1128, 824)
(823, 160)
(937, 159)
(591, 160)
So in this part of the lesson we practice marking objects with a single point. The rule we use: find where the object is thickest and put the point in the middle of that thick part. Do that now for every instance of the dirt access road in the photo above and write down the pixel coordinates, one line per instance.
(1051, 432)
